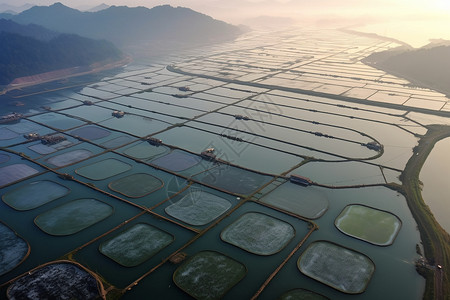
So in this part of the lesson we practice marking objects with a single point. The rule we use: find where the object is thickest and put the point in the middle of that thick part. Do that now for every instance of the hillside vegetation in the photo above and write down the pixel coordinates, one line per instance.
(427, 67)
(124, 25)
(24, 55)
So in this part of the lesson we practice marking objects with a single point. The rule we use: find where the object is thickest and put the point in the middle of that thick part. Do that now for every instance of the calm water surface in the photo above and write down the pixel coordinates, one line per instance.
(435, 175)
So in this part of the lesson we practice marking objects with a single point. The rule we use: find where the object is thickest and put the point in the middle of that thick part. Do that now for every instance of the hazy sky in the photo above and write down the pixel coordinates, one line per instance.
(237, 10)
(413, 21)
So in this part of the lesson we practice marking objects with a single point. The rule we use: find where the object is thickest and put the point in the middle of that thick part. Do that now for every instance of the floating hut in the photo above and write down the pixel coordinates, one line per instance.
(14, 117)
(178, 258)
(184, 89)
(154, 141)
(65, 176)
(230, 137)
(241, 117)
(374, 146)
(52, 139)
(32, 136)
(118, 114)
(180, 96)
(208, 154)
(297, 179)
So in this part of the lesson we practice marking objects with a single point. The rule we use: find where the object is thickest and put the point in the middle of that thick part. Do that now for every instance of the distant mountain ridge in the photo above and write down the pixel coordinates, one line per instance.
(31, 30)
(32, 42)
(31, 49)
(99, 7)
(14, 9)
(427, 67)
(124, 25)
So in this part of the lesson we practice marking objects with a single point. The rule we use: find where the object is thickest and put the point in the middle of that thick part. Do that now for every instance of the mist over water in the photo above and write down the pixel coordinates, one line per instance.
(292, 99)
(415, 33)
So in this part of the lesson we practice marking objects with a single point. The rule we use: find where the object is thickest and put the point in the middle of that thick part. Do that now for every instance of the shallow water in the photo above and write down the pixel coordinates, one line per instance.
(143, 184)
(434, 176)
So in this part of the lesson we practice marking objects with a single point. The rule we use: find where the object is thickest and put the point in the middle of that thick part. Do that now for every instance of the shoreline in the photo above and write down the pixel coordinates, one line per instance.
(435, 240)
(374, 35)
(61, 74)
(415, 82)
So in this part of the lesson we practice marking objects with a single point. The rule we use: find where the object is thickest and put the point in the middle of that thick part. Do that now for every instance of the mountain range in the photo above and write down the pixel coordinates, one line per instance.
(124, 25)
(49, 38)
(11, 9)
(27, 50)
(30, 30)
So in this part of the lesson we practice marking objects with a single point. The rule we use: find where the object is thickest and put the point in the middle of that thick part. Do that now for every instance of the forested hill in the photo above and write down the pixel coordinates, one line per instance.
(24, 55)
(427, 67)
(124, 25)
(30, 42)
(31, 30)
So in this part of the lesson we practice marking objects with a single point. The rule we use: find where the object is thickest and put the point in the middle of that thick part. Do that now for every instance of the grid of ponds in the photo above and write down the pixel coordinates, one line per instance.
(190, 187)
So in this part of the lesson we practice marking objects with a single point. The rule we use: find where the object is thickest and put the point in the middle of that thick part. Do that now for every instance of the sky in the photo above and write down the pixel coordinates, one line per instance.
(429, 18)
(233, 10)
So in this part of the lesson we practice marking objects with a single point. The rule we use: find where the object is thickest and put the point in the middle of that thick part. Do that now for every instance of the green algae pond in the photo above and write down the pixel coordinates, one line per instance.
(139, 218)
(368, 224)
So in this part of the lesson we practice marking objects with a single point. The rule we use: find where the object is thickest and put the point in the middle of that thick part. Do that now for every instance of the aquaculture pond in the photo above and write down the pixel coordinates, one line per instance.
(343, 269)
(368, 224)
(189, 193)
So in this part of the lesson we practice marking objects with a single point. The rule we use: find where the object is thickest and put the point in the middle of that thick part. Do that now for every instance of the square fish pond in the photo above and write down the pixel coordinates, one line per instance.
(128, 250)
(103, 169)
(198, 207)
(340, 268)
(73, 216)
(233, 180)
(13, 249)
(309, 202)
(208, 275)
(6, 134)
(61, 280)
(136, 185)
(117, 141)
(145, 151)
(44, 149)
(57, 121)
(4, 158)
(258, 267)
(90, 132)
(34, 194)
(258, 233)
(301, 294)
(136, 244)
(177, 161)
(368, 224)
(15, 172)
(69, 157)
